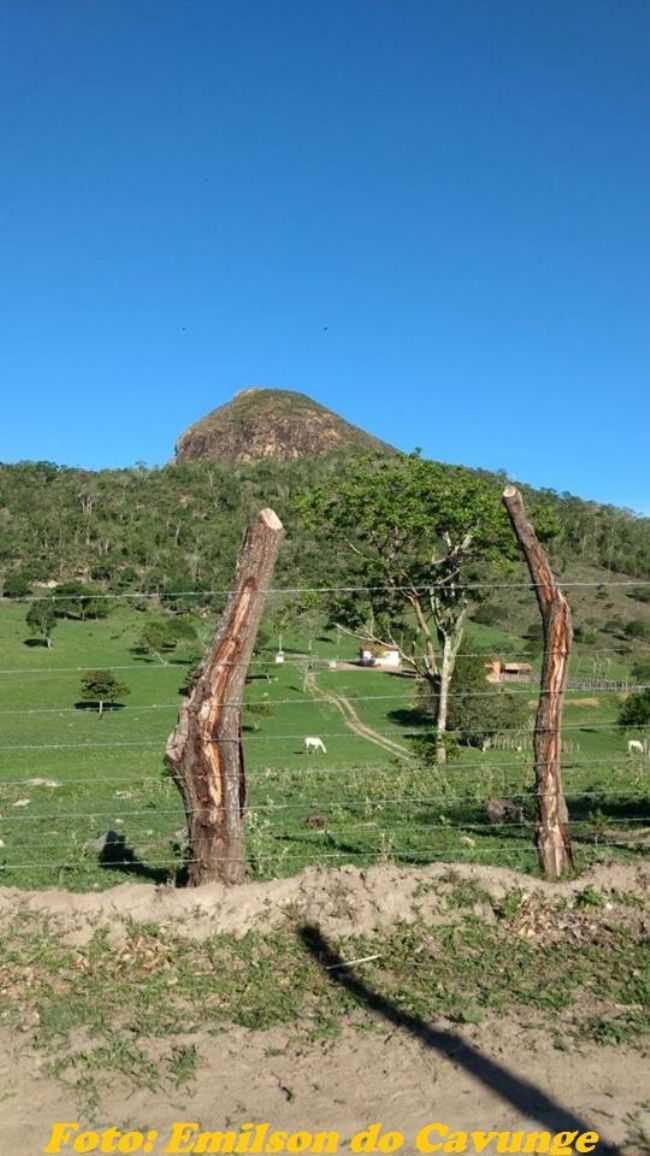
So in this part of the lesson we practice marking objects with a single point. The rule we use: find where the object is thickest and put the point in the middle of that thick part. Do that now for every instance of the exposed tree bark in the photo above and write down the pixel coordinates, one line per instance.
(552, 832)
(451, 640)
(204, 753)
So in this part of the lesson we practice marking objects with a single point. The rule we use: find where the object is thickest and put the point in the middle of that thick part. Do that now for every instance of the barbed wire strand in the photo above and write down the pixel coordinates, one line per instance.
(322, 806)
(583, 726)
(322, 701)
(300, 663)
(509, 855)
(162, 779)
(349, 589)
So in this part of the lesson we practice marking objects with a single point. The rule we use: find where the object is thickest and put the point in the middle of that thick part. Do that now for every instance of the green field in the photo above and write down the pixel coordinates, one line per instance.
(371, 804)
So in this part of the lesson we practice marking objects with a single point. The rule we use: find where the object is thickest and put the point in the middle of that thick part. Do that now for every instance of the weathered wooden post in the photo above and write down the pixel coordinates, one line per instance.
(204, 752)
(552, 835)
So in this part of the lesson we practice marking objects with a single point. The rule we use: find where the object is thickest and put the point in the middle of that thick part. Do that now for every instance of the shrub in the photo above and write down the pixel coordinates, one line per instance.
(582, 634)
(487, 614)
(16, 586)
(635, 711)
(639, 593)
(637, 628)
(613, 626)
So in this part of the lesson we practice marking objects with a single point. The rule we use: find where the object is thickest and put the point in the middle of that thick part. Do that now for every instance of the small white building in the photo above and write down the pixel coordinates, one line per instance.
(279, 658)
(390, 658)
(384, 657)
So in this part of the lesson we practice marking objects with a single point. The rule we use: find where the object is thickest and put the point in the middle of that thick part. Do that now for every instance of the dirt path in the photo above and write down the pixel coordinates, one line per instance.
(501, 1076)
(352, 720)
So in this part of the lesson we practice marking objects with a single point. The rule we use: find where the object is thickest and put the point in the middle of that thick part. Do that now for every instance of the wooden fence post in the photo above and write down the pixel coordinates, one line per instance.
(552, 835)
(204, 753)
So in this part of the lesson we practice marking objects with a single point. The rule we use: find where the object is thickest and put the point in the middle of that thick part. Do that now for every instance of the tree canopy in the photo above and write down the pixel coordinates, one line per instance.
(41, 618)
(100, 687)
(418, 538)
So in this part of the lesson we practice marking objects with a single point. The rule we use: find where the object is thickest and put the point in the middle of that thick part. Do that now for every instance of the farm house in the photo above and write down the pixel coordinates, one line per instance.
(385, 657)
(500, 670)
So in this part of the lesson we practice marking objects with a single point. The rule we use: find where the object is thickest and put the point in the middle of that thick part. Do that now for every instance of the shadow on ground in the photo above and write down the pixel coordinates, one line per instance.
(525, 1097)
(116, 855)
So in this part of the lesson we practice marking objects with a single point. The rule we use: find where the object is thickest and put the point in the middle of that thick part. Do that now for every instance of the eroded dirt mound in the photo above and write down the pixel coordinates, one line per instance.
(342, 901)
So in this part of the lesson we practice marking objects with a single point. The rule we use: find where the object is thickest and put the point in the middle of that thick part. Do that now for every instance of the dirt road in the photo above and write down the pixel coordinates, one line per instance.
(352, 719)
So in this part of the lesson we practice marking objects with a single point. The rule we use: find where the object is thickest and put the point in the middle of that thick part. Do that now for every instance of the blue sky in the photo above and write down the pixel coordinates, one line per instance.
(430, 215)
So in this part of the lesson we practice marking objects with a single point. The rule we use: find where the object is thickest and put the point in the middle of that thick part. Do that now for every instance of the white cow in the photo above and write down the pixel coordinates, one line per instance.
(634, 745)
(313, 743)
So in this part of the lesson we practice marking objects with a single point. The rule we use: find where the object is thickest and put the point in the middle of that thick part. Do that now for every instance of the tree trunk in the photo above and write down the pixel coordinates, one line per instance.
(204, 753)
(450, 645)
(552, 834)
(443, 703)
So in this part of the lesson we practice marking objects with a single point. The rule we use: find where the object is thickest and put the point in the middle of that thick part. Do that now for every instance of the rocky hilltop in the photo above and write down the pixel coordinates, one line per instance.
(271, 423)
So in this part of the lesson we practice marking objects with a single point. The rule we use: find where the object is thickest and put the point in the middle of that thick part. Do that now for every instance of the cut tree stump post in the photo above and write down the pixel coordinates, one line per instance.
(552, 835)
(204, 753)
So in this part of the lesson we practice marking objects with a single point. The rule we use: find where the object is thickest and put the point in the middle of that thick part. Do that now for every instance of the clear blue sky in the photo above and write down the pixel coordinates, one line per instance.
(192, 190)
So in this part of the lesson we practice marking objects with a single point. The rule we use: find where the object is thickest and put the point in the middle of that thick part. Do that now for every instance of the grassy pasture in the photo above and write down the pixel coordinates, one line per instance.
(356, 804)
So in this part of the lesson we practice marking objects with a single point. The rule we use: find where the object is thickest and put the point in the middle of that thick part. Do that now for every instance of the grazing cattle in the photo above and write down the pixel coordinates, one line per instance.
(634, 745)
(313, 743)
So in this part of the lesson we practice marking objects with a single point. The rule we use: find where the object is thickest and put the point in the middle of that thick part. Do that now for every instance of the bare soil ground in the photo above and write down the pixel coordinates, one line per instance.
(348, 1084)
(392, 1059)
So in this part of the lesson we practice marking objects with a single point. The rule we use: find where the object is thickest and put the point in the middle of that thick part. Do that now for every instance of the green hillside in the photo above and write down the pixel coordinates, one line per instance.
(179, 526)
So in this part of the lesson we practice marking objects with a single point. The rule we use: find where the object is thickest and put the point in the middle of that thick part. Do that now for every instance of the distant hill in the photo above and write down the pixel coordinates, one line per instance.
(271, 423)
(177, 528)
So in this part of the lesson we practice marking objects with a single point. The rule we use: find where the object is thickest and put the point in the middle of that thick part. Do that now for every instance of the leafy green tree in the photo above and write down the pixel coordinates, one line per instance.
(156, 638)
(162, 636)
(640, 671)
(414, 533)
(78, 600)
(41, 619)
(635, 711)
(16, 586)
(488, 614)
(477, 709)
(261, 709)
(101, 687)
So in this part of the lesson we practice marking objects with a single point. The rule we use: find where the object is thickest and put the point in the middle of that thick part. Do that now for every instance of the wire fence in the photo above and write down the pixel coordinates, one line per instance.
(389, 588)
(372, 798)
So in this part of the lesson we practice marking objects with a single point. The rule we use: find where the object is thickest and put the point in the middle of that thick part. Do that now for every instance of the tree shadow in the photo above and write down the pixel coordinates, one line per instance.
(522, 1095)
(165, 658)
(36, 642)
(93, 707)
(411, 717)
(116, 855)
